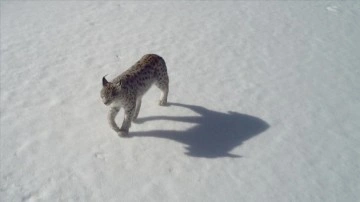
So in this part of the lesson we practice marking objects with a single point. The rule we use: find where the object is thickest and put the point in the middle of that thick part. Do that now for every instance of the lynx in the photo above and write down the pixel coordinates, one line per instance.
(126, 90)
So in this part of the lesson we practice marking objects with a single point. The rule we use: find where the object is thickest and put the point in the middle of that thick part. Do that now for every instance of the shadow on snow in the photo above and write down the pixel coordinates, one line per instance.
(215, 133)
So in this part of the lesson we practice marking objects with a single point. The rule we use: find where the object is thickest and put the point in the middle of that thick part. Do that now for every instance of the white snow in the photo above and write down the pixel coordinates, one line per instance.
(265, 101)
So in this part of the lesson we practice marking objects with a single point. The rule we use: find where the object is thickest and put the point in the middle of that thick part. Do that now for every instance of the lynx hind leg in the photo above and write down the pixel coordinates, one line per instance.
(163, 85)
(137, 109)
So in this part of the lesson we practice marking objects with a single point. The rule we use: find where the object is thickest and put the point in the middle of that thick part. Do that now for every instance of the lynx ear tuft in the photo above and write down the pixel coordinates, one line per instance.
(104, 81)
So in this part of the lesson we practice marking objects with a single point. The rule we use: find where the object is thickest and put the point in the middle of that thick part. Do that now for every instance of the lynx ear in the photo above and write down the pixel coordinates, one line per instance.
(104, 81)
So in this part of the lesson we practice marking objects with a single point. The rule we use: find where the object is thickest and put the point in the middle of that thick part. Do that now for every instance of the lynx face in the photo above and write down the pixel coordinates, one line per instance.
(107, 95)
(109, 92)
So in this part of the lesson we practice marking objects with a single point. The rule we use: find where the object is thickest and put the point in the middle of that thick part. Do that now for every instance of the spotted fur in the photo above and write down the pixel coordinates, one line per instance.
(126, 90)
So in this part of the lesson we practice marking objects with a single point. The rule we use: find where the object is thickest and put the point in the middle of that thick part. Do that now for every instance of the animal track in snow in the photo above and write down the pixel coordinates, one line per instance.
(333, 9)
(100, 155)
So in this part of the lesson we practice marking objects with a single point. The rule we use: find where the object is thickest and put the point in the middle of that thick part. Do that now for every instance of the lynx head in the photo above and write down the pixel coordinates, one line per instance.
(109, 92)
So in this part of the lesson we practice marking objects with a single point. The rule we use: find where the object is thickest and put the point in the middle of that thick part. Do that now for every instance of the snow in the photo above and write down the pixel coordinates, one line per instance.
(265, 102)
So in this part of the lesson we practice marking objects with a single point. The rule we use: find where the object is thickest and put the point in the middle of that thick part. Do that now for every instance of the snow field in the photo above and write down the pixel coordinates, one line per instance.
(264, 101)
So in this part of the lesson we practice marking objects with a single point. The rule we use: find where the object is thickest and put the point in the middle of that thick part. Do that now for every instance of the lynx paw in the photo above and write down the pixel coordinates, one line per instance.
(163, 103)
(134, 119)
(123, 133)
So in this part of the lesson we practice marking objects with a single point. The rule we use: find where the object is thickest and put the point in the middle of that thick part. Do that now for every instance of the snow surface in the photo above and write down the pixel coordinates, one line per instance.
(265, 102)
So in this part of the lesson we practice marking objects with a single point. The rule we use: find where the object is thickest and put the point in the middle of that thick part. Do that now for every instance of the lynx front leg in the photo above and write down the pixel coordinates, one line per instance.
(129, 113)
(111, 118)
